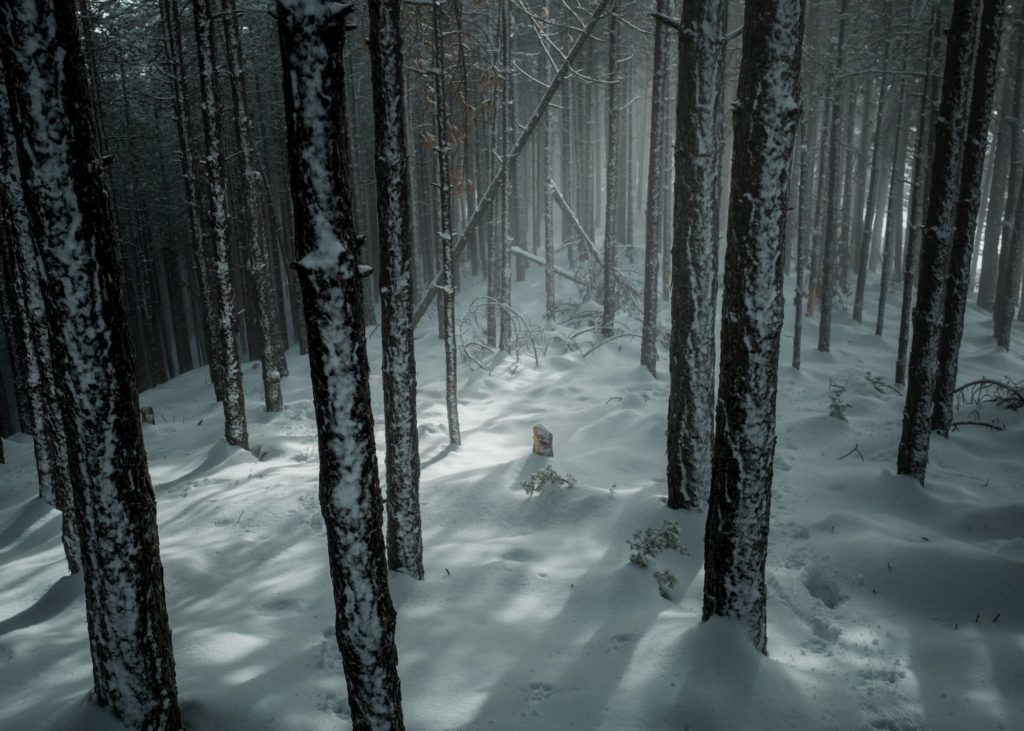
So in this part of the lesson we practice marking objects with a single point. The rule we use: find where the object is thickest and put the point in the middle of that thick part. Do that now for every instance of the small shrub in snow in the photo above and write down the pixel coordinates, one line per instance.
(649, 542)
(547, 476)
(837, 406)
(666, 581)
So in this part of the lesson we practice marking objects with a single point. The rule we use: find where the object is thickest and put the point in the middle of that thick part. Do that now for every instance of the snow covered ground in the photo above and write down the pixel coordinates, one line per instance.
(891, 606)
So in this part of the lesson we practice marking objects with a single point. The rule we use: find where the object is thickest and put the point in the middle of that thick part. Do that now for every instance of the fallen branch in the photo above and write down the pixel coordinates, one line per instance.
(855, 450)
(461, 239)
(994, 425)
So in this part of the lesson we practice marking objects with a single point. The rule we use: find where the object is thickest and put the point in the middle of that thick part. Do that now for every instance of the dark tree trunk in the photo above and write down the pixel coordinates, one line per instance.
(609, 298)
(698, 155)
(944, 191)
(226, 331)
(986, 68)
(402, 460)
(444, 193)
(72, 226)
(655, 183)
(833, 203)
(254, 214)
(765, 120)
(312, 38)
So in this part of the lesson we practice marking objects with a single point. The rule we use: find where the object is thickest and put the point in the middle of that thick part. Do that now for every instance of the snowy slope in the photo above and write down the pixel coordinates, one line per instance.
(882, 594)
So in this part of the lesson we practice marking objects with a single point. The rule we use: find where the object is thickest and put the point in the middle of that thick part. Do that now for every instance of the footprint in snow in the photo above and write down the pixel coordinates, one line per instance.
(536, 693)
(619, 642)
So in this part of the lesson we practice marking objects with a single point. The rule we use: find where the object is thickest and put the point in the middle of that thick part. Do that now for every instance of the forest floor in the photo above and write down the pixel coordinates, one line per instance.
(890, 605)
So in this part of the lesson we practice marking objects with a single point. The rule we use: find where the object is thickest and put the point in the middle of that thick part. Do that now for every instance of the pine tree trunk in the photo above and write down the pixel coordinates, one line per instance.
(609, 298)
(944, 191)
(766, 113)
(959, 271)
(444, 191)
(655, 183)
(867, 229)
(402, 460)
(72, 226)
(226, 331)
(830, 233)
(28, 331)
(257, 228)
(698, 155)
(917, 198)
(895, 202)
(312, 36)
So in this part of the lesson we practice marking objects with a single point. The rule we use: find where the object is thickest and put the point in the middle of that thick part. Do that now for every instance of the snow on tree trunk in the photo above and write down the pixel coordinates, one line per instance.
(402, 459)
(255, 216)
(444, 192)
(549, 223)
(765, 118)
(226, 332)
(913, 238)
(801, 246)
(507, 121)
(944, 191)
(832, 203)
(609, 299)
(312, 36)
(895, 201)
(29, 331)
(76, 246)
(959, 274)
(655, 182)
(698, 155)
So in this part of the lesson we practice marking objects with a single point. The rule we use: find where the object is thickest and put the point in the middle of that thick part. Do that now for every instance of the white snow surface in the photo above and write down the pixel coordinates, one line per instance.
(882, 595)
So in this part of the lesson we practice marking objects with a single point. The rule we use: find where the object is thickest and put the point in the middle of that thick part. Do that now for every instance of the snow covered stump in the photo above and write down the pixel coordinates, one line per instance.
(543, 441)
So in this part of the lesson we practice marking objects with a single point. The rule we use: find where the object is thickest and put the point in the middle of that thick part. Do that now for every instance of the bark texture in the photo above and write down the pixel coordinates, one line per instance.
(312, 36)
(698, 160)
(72, 225)
(944, 189)
(765, 122)
(402, 459)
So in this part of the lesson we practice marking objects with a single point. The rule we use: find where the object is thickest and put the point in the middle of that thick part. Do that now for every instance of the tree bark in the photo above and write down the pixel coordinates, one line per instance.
(402, 460)
(655, 182)
(698, 157)
(73, 229)
(236, 431)
(944, 190)
(765, 120)
(312, 37)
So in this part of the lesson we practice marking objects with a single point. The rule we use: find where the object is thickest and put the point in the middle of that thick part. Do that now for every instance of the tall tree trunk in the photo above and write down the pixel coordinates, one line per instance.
(655, 182)
(254, 214)
(944, 191)
(986, 68)
(698, 157)
(765, 123)
(609, 299)
(444, 192)
(28, 332)
(917, 199)
(226, 332)
(402, 459)
(868, 227)
(895, 203)
(830, 233)
(312, 38)
(76, 246)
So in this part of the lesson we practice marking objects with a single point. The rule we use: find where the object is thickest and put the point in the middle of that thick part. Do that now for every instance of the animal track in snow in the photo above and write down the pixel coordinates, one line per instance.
(536, 693)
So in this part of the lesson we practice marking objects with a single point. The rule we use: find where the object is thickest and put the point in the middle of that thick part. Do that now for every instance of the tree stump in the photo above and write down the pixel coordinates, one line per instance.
(543, 441)
(148, 417)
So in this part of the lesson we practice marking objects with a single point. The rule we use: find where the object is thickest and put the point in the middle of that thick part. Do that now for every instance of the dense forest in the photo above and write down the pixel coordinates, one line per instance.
(741, 276)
